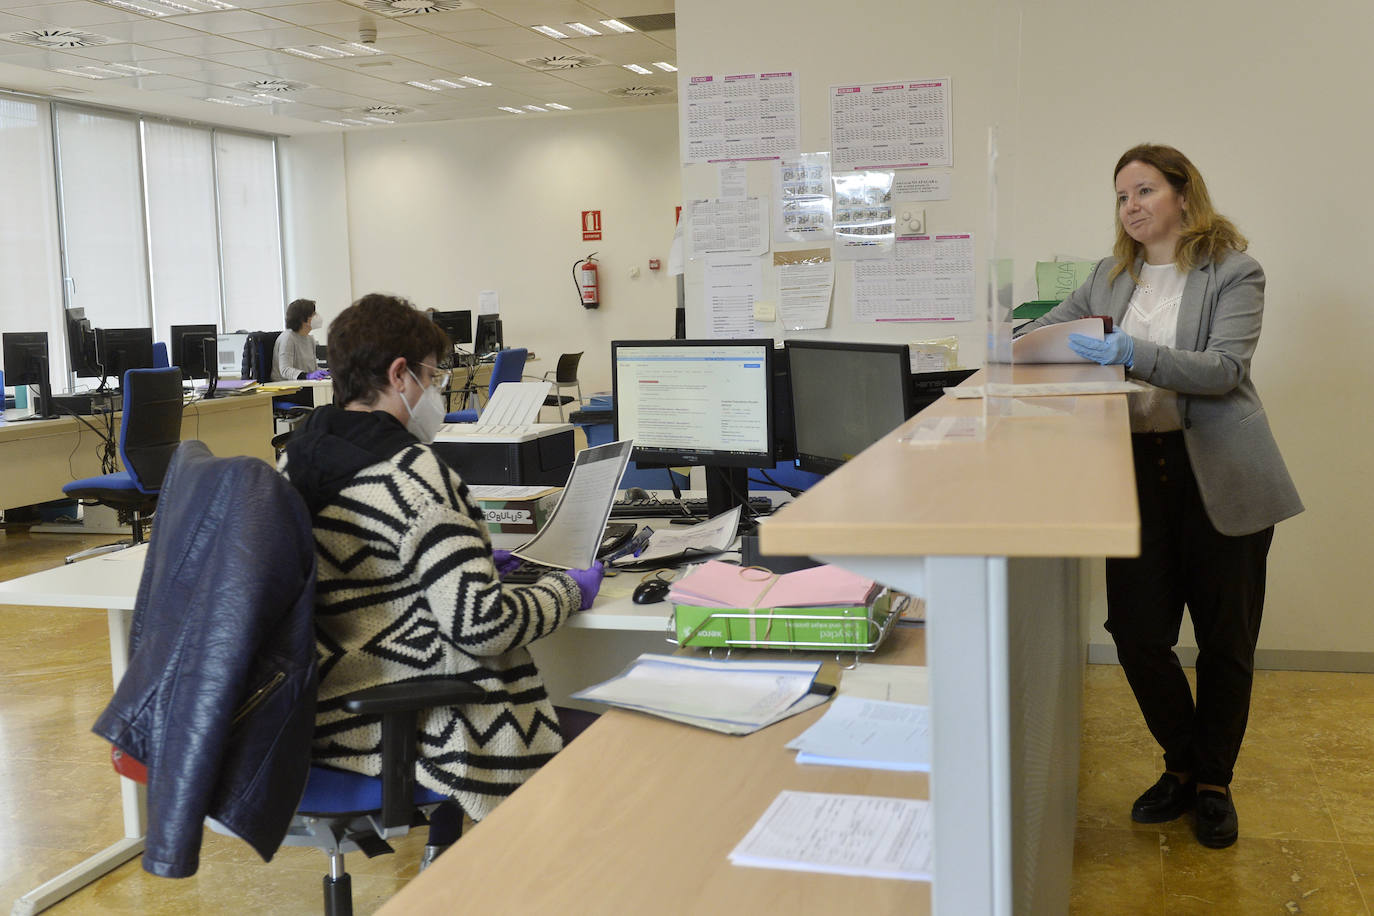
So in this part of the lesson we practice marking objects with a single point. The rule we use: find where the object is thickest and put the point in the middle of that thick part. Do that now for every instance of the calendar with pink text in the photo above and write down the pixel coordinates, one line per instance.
(897, 125)
(928, 278)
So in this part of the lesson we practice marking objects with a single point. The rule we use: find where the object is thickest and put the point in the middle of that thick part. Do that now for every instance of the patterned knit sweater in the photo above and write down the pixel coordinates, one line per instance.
(407, 591)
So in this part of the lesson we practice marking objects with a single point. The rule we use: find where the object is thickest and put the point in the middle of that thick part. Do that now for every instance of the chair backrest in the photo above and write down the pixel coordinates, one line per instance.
(509, 366)
(160, 360)
(566, 373)
(151, 427)
(257, 356)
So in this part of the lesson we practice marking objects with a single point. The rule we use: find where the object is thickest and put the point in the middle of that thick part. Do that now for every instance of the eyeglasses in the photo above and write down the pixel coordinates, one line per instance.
(441, 376)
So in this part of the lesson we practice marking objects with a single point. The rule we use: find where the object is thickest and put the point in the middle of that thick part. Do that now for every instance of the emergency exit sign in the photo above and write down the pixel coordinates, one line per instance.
(591, 225)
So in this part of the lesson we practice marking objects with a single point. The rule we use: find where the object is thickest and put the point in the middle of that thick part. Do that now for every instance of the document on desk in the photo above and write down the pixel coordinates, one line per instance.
(739, 693)
(711, 536)
(514, 404)
(572, 534)
(862, 835)
(895, 683)
(869, 734)
(1050, 344)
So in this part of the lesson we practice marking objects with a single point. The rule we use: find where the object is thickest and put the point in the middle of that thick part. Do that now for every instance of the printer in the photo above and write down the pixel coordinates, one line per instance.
(523, 455)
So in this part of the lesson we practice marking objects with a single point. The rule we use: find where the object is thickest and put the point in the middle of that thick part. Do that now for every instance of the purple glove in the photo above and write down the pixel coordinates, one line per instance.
(1116, 349)
(588, 582)
(504, 562)
(318, 374)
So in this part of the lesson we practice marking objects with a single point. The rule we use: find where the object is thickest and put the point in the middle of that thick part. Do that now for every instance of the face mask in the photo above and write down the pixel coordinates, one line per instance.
(428, 413)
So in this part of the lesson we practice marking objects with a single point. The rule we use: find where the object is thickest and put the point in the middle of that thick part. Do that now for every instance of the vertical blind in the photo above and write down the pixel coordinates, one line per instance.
(30, 284)
(141, 223)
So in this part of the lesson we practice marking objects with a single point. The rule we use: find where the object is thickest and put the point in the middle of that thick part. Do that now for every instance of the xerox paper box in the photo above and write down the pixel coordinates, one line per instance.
(517, 516)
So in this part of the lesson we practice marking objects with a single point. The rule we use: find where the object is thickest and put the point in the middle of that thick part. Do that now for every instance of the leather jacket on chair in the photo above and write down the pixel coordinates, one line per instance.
(219, 698)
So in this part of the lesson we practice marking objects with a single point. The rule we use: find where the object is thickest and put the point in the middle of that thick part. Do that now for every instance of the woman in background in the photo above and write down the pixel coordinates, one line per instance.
(293, 355)
(1210, 481)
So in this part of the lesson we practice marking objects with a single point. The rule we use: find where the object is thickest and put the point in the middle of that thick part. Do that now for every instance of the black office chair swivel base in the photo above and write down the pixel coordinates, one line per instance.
(141, 514)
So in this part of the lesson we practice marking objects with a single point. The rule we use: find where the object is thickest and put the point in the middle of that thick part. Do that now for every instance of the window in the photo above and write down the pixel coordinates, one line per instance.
(250, 232)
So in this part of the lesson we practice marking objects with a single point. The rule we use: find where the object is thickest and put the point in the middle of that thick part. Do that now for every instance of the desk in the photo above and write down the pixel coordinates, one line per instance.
(39, 456)
(986, 532)
(638, 815)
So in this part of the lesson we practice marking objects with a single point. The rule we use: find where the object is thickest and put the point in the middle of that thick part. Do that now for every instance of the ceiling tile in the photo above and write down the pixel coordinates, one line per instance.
(459, 21)
(75, 15)
(314, 13)
(144, 30)
(19, 56)
(132, 54)
(9, 23)
(201, 46)
(284, 36)
(227, 22)
(620, 49)
(387, 29)
(552, 12)
(159, 83)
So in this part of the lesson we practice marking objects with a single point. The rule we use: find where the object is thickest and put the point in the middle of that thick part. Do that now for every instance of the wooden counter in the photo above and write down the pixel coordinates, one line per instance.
(639, 814)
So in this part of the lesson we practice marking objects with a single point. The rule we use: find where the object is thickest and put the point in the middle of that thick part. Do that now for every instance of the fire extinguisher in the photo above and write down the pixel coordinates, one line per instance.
(584, 278)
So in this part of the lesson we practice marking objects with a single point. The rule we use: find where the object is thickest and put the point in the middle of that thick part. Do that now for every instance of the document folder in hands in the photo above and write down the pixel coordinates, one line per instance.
(734, 697)
(572, 535)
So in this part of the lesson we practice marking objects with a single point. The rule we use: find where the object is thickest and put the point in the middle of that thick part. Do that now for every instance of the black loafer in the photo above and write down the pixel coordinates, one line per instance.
(1166, 800)
(1216, 825)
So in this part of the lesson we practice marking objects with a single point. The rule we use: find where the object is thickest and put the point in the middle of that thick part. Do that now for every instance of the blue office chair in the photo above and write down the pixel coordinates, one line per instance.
(509, 367)
(149, 433)
(257, 365)
(160, 360)
(251, 786)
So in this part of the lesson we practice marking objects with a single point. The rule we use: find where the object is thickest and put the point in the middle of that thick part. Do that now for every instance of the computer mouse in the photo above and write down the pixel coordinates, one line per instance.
(636, 494)
(651, 591)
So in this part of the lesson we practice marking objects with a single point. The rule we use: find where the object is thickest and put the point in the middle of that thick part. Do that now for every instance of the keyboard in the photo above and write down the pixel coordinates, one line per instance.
(527, 573)
(668, 508)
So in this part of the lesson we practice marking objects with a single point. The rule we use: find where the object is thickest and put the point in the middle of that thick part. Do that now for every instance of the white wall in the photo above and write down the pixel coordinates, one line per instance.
(439, 212)
(1267, 101)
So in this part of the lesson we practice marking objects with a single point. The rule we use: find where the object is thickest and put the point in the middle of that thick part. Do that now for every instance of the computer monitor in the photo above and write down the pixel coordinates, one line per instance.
(845, 397)
(457, 325)
(81, 351)
(26, 363)
(697, 402)
(230, 348)
(186, 348)
(122, 349)
(487, 339)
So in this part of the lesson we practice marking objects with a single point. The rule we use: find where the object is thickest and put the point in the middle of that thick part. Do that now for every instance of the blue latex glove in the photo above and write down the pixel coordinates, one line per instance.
(588, 582)
(318, 374)
(1116, 349)
(504, 562)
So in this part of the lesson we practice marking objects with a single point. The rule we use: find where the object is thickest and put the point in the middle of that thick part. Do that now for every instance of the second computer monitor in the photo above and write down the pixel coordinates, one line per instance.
(122, 349)
(457, 325)
(81, 349)
(186, 348)
(488, 338)
(845, 397)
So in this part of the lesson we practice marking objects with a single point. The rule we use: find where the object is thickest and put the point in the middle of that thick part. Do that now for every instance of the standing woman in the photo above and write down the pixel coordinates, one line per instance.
(293, 355)
(1210, 480)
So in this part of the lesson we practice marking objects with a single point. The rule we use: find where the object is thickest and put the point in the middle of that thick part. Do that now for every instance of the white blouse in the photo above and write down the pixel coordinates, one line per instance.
(1153, 315)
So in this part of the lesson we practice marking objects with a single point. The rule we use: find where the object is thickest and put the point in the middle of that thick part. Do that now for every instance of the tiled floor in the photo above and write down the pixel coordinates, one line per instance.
(1304, 789)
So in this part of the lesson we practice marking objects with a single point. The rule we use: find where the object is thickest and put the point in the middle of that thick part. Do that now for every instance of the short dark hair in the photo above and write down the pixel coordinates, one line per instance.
(367, 337)
(297, 313)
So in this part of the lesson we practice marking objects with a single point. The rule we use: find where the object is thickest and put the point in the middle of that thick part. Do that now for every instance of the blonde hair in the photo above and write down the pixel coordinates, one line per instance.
(1205, 235)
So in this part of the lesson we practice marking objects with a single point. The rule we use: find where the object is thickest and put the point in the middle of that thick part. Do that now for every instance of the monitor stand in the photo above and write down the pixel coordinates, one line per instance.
(727, 488)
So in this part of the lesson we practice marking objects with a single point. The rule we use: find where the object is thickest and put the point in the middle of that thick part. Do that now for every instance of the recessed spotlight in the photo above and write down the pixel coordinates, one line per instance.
(508, 108)
(448, 84)
(615, 25)
(558, 106)
(581, 29)
(548, 30)
(474, 81)
(425, 86)
(636, 68)
(665, 66)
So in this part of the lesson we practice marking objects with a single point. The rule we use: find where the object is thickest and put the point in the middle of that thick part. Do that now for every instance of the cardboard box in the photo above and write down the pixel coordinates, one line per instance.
(841, 625)
(517, 516)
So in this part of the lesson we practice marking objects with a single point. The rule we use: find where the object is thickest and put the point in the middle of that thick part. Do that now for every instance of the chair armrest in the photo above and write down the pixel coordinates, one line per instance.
(399, 707)
(388, 698)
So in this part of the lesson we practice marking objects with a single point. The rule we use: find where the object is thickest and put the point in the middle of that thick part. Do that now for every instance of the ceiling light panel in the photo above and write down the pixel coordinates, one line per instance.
(665, 66)
(557, 106)
(549, 30)
(581, 28)
(636, 68)
(615, 25)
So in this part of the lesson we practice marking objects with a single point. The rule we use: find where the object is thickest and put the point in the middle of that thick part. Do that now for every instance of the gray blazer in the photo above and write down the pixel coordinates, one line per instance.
(1240, 473)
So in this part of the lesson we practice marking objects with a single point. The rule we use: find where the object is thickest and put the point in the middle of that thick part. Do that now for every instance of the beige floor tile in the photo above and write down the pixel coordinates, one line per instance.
(59, 804)
(1348, 789)
(1362, 863)
(1277, 795)
(1118, 872)
(1260, 876)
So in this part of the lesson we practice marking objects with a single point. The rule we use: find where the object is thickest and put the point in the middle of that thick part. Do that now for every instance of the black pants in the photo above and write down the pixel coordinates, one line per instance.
(1184, 560)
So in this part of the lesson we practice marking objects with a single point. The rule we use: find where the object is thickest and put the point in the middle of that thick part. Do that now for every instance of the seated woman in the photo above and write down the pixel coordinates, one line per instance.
(293, 355)
(408, 586)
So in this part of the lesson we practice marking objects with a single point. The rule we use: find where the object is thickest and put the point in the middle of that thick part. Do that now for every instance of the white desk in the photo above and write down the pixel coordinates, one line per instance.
(109, 582)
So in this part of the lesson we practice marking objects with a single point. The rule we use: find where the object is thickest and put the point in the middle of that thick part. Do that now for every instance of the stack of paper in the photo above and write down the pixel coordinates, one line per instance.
(736, 697)
(717, 584)
(860, 835)
(872, 734)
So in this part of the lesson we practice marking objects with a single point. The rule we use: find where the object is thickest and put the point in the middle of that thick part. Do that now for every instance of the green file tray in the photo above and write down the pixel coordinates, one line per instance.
(1035, 308)
(849, 628)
